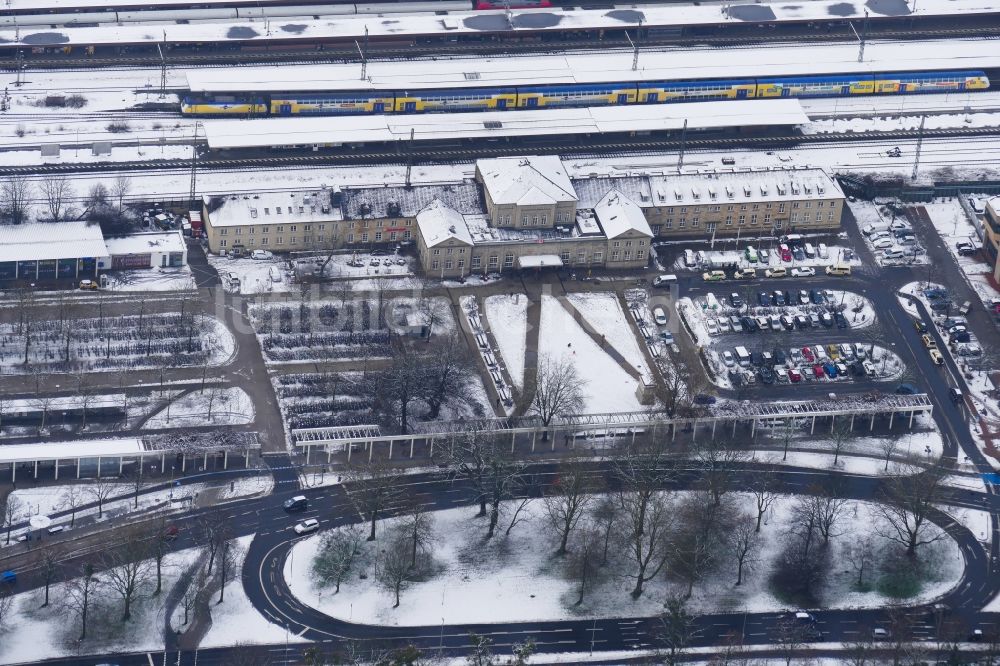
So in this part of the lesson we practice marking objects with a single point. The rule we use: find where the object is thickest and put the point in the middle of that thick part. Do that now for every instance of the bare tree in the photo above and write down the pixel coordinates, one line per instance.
(645, 527)
(100, 490)
(79, 595)
(216, 531)
(719, 460)
(698, 544)
(136, 482)
(604, 515)
(679, 387)
(127, 571)
(70, 500)
(230, 558)
(402, 383)
(16, 193)
(567, 500)
(338, 553)
(372, 486)
(888, 446)
(518, 515)
(418, 527)
(120, 189)
(43, 403)
(158, 540)
(6, 608)
(744, 540)
(791, 637)
(394, 565)
(11, 514)
(762, 488)
(48, 563)
(57, 192)
(198, 582)
(449, 369)
(559, 390)
(820, 511)
(583, 565)
(905, 507)
(842, 437)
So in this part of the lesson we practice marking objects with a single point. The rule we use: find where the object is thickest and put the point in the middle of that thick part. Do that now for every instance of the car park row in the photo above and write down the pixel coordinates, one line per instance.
(809, 363)
(775, 311)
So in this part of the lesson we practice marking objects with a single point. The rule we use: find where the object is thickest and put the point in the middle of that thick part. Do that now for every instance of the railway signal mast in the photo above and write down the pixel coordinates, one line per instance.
(363, 50)
(862, 38)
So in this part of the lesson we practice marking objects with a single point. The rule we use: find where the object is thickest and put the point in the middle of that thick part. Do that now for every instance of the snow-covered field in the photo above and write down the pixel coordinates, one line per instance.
(603, 311)
(607, 386)
(153, 279)
(508, 320)
(522, 579)
(211, 406)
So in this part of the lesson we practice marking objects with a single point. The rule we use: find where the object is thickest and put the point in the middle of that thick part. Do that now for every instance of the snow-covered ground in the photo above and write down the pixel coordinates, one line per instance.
(603, 311)
(211, 406)
(153, 279)
(917, 289)
(607, 386)
(953, 226)
(38, 633)
(508, 319)
(255, 275)
(523, 581)
(835, 254)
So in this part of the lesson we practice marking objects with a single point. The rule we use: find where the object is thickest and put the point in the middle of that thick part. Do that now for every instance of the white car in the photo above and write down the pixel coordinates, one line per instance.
(803, 271)
(883, 244)
(307, 526)
(713, 329)
(893, 254)
(728, 359)
(261, 254)
(724, 325)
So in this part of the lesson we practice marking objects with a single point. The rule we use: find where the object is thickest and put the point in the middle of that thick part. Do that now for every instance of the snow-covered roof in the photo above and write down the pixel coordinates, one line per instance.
(308, 131)
(51, 240)
(361, 203)
(665, 64)
(526, 181)
(80, 448)
(294, 207)
(712, 186)
(439, 223)
(618, 215)
(145, 243)
(480, 22)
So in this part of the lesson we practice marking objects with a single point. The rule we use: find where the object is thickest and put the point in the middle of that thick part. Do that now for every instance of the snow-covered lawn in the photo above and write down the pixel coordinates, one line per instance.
(953, 226)
(607, 386)
(255, 275)
(508, 320)
(603, 311)
(522, 580)
(152, 279)
(211, 406)
(245, 486)
(42, 633)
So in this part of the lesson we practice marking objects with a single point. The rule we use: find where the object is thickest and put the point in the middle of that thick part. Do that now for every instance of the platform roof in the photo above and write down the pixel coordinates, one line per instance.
(478, 22)
(605, 67)
(71, 450)
(268, 132)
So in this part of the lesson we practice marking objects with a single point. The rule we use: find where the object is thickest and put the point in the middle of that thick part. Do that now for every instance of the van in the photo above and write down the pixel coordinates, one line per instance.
(743, 356)
(665, 280)
(838, 269)
(297, 503)
(810, 250)
(659, 316)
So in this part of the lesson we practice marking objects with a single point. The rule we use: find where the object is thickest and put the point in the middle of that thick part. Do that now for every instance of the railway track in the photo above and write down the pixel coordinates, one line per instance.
(345, 54)
(431, 154)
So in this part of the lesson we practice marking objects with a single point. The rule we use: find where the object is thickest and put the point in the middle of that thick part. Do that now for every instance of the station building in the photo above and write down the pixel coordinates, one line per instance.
(529, 213)
(991, 239)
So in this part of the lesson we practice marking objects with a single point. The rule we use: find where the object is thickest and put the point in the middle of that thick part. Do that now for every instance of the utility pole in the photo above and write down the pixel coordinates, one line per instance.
(920, 143)
(680, 155)
(409, 158)
(194, 165)
(861, 38)
(509, 14)
(363, 50)
(163, 65)
(635, 51)
(19, 63)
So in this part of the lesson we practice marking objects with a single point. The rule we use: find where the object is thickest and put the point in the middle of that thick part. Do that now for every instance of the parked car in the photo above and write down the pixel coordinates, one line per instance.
(711, 326)
(799, 253)
(704, 399)
(840, 319)
(663, 280)
(794, 375)
(713, 276)
(88, 285)
(745, 273)
(965, 248)
(778, 297)
(928, 341)
(801, 321)
(808, 354)
(882, 243)
(728, 359)
(830, 369)
(261, 254)
(818, 371)
(803, 271)
(936, 357)
(763, 299)
(724, 325)
(780, 357)
(826, 320)
(777, 272)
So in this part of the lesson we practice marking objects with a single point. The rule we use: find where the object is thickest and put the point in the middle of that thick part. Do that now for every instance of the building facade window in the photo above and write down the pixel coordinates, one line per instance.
(508, 260)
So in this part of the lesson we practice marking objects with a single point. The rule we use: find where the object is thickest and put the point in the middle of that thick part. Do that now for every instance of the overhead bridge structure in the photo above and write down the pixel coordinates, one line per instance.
(606, 430)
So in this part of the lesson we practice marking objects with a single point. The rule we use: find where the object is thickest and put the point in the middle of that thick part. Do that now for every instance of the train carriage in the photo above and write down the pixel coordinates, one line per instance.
(331, 104)
(682, 91)
(929, 82)
(458, 99)
(815, 86)
(576, 95)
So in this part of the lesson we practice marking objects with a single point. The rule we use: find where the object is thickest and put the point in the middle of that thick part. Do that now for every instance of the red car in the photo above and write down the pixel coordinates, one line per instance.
(795, 375)
(818, 371)
(786, 252)
(808, 354)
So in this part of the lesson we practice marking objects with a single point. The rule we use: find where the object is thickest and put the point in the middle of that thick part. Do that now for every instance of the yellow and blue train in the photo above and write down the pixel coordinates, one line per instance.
(562, 95)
